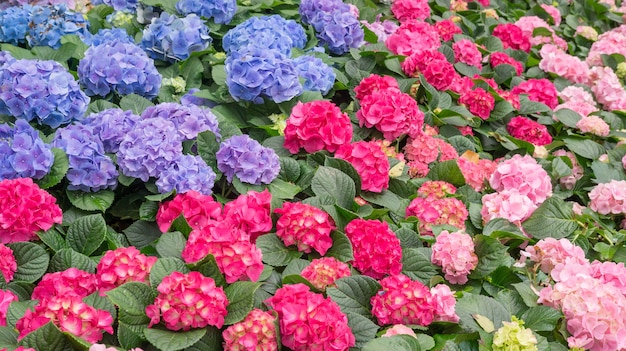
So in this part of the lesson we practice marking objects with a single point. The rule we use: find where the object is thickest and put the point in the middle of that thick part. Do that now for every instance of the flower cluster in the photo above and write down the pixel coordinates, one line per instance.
(607, 88)
(424, 149)
(25, 209)
(197, 209)
(268, 32)
(339, 31)
(436, 188)
(479, 102)
(528, 130)
(250, 212)
(187, 173)
(594, 125)
(528, 24)
(370, 162)
(14, 24)
(374, 255)
(539, 90)
(47, 24)
(323, 272)
(110, 126)
(403, 301)
(188, 301)
(8, 265)
(41, 90)
(578, 100)
(509, 204)
(524, 174)
(500, 58)
(550, 252)
(569, 181)
(123, 265)
(513, 335)
(382, 29)
(374, 83)
(6, 298)
(399, 329)
(608, 198)
(221, 11)
(305, 226)
(476, 171)
(257, 332)
(433, 211)
(444, 303)
(405, 10)
(555, 60)
(433, 65)
(121, 5)
(465, 51)
(248, 160)
(70, 282)
(512, 36)
(108, 35)
(24, 154)
(189, 121)
(454, 253)
(318, 76)
(309, 321)
(170, 38)
(413, 36)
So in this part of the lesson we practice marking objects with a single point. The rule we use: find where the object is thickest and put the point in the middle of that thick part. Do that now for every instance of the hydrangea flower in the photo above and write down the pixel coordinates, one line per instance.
(454, 253)
(8, 265)
(6, 297)
(25, 209)
(392, 112)
(466, 51)
(413, 36)
(250, 212)
(306, 226)
(190, 99)
(310, 9)
(186, 173)
(323, 272)
(550, 252)
(41, 90)
(528, 130)
(119, 67)
(432, 211)
(122, 5)
(424, 149)
(509, 204)
(608, 198)
(197, 209)
(109, 35)
(479, 102)
(172, 39)
(248, 160)
(374, 255)
(188, 301)
(594, 125)
(370, 162)
(476, 171)
(111, 125)
(221, 11)
(500, 58)
(374, 83)
(90, 169)
(122, 265)
(399, 329)
(447, 29)
(512, 36)
(339, 31)
(70, 282)
(49, 23)
(436, 188)
(266, 32)
(402, 301)
(405, 10)
(189, 120)
(540, 90)
(14, 24)
(24, 154)
(257, 332)
(444, 303)
(513, 335)
(317, 75)
(524, 174)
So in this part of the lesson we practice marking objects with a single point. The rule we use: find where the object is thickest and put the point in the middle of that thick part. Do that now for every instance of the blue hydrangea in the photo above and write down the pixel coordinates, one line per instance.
(245, 158)
(190, 99)
(338, 30)
(309, 9)
(41, 90)
(49, 23)
(317, 75)
(268, 32)
(14, 24)
(89, 168)
(256, 73)
(119, 67)
(121, 5)
(149, 149)
(187, 173)
(110, 35)
(24, 154)
(170, 38)
(111, 125)
(222, 11)
(188, 121)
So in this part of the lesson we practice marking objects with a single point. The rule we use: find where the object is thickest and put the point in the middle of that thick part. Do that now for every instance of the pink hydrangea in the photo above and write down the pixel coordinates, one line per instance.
(403, 301)
(309, 321)
(123, 265)
(370, 162)
(458, 5)
(423, 149)
(413, 36)
(418, 61)
(478, 102)
(607, 88)
(235, 255)
(555, 60)
(6, 297)
(540, 90)
(578, 100)
(454, 253)
(250, 212)
(374, 255)
(8, 265)
(445, 303)
(553, 12)
(528, 130)
(399, 329)
(594, 125)
(499, 58)
(25, 209)
(440, 74)
(197, 209)
(512, 37)
(188, 301)
(549, 252)
(608, 198)
(524, 174)
(436, 188)
(70, 282)
(528, 24)
(509, 204)
(374, 83)
(305, 226)
(569, 181)
(69, 314)
(466, 51)
(256, 332)
(613, 273)
(609, 42)
(392, 112)
(405, 10)
(431, 211)
(447, 29)
(317, 125)
(323, 272)
(476, 171)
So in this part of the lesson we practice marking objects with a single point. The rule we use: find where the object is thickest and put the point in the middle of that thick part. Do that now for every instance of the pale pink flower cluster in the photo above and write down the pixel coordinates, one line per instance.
(399, 329)
(305, 226)
(607, 88)
(555, 60)
(476, 171)
(424, 149)
(256, 332)
(613, 273)
(569, 181)
(524, 174)
(6, 297)
(578, 100)
(466, 51)
(553, 12)
(550, 252)
(508, 204)
(529, 23)
(122, 265)
(444, 302)
(454, 253)
(433, 211)
(323, 272)
(594, 125)
(609, 198)
(611, 42)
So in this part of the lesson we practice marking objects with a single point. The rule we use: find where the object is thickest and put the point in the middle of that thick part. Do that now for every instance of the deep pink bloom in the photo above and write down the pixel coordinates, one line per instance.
(417, 62)
(197, 209)
(466, 51)
(376, 248)
(512, 36)
(70, 282)
(447, 29)
(413, 36)
(392, 112)
(540, 90)
(250, 212)
(403, 301)
(498, 58)
(255, 333)
(370, 162)
(305, 226)
(528, 130)
(322, 272)
(8, 265)
(122, 265)
(374, 83)
(6, 297)
(440, 74)
(478, 102)
(454, 253)
(405, 10)
(424, 149)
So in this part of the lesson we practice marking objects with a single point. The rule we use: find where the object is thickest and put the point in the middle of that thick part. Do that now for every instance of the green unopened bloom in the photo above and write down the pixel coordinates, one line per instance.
(621, 70)
(121, 18)
(512, 336)
(280, 123)
(177, 83)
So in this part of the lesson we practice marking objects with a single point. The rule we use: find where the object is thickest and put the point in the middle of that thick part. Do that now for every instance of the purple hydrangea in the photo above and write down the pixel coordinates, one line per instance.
(170, 38)
(111, 125)
(245, 158)
(338, 30)
(24, 154)
(149, 149)
(14, 24)
(268, 32)
(256, 73)
(317, 75)
(110, 35)
(5, 57)
(222, 11)
(190, 99)
(121, 5)
(309, 9)
(49, 23)
(119, 67)
(188, 121)
(41, 90)
(187, 173)
(89, 168)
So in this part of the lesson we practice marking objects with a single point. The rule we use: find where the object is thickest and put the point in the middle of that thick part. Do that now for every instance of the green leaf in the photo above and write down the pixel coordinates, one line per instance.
(295, 267)
(342, 248)
(541, 318)
(461, 144)
(554, 218)
(211, 341)
(448, 171)
(470, 305)
(240, 300)
(298, 279)
(289, 169)
(363, 329)
(47, 337)
(386, 199)
(99, 106)
(53, 239)
(347, 168)
(275, 253)
(408, 238)
(218, 73)
(22, 290)
(491, 255)
(207, 148)
(148, 210)
(8, 338)
(167, 340)
(142, 233)
(86, 234)
(171, 245)
(501, 228)
(101, 303)
(281, 189)
(584, 147)
(568, 117)
(396, 343)
(164, 267)
(353, 294)
(128, 335)
(32, 261)
(416, 264)
(68, 258)
(209, 268)
(135, 103)
(57, 171)
(132, 299)
(98, 201)
(501, 110)
(333, 182)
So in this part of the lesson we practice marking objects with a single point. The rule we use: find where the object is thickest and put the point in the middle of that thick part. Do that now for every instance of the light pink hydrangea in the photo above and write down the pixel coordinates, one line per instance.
(476, 171)
(374, 255)
(454, 253)
(432, 211)
(6, 297)
(444, 302)
(524, 174)
(509, 204)
(403, 301)
(553, 12)
(305, 226)
(550, 252)
(413, 36)
(399, 329)
(528, 24)
(613, 273)
(466, 51)
(594, 125)
(370, 162)
(323, 272)
(256, 332)
(607, 43)
(569, 181)
(555, 60)
(123, 265)
(578, 100)
(607, 88)
(608, 198)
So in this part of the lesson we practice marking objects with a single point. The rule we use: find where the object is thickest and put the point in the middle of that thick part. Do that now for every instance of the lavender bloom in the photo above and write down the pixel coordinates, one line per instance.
(5, 57)
(190, 99)
(49, 23)
(317, 75)
(111, 125)
(14, 24)
(105, 36)
(382, 29)
(41, 90)
(90, 169)
(188, 121)
(340, 31)
(222, 11)
(149, 149)
(118, 67)
(309, 9)
(248, 160)
(268, 32)
(24, 154)
(122, 5)
(170, 38)
(187, 173)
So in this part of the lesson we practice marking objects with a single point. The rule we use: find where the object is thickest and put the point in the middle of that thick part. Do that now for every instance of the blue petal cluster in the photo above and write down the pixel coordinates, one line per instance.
(89, 168)
(340, 31)
(170, 38)
(110, 35)
(14, 24)
(255, 73)
(222, 11)
(188, 121)
(24, 154)
(245, 158)
(317, 75)
(121, 5)
(187, 173)
(149, 149)
(41, 90)
(269, 32)
(119, 67)
(309, 9)
(190, 99)
(49, 23)
(111, 125)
